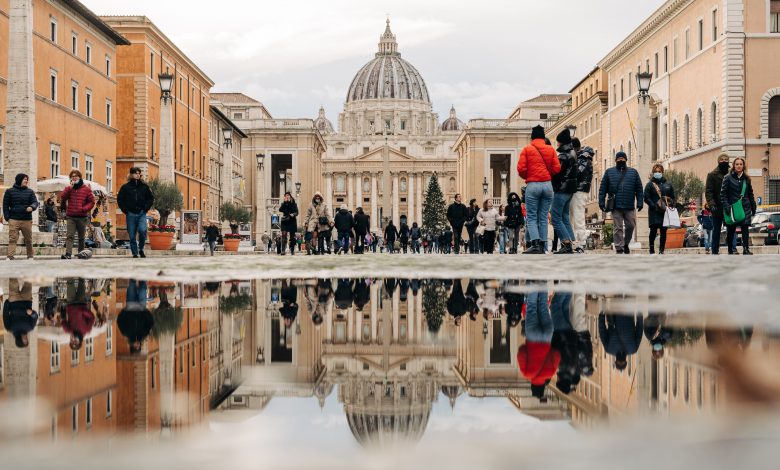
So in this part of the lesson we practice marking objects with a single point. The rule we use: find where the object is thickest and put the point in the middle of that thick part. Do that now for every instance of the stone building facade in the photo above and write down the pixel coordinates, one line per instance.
(226, 165)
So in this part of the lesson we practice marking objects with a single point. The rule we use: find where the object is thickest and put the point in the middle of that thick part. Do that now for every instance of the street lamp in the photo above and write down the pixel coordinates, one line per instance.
(227, 135)
(572, 129)
(166, 83)
(485, 186)
(643, 80)
(260, 159)
(282, 181)
(297, 189)
(484, 329)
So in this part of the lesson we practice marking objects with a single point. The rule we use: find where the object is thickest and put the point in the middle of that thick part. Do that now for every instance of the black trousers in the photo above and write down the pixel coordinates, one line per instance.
(717, 225)
(731, 232)
(653, 234)
(288, 238)
(457, 232)
(473, 244)
(360, 242)
(489, 241)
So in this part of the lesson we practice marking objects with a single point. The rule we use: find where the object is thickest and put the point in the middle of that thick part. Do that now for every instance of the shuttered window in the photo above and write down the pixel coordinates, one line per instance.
(774, 18)
(774, 117)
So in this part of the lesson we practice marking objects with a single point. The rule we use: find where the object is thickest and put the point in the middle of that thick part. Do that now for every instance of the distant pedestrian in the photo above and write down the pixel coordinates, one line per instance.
(135, 199)
(289, 225)
(502, 232)
(564, 187)
(705, 219)
(391, 235)
(19, 318)
(580, 198)
(471, 225)
(621, 193)
(659, 195)
(621, 336)
(488, 218)
(362, 225)
(52, 217)
(343, 221)
(514, 221)
(737, 187)
(415, 234)
(457, 216)
(537, 165)
(212, 235)
(318, 223)
(712, 198)
(403, 236)
(19, 202)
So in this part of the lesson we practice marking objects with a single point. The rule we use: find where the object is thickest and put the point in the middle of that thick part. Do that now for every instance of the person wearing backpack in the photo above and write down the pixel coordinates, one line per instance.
(580, 198)
(564, 186)
(739, 205)
(537, 165)
(415, 235)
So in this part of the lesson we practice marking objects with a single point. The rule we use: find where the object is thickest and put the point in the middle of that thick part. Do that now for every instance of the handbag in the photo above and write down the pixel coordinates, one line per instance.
(323, 220)
(480, 230)
(735, 214)
(671, 218)
(609, 205)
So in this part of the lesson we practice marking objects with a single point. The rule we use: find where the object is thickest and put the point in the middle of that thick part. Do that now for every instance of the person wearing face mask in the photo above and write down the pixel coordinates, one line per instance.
(737, 187)
(659, 194)
(623, 185)
(712, 198)
(514, 221)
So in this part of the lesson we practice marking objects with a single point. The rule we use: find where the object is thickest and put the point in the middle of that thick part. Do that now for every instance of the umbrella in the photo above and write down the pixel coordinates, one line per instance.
(58, 183)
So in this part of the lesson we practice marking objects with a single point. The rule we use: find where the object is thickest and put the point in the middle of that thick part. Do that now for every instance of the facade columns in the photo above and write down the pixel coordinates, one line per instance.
(410, 213)
(328, 196)
(374, 210)
(374, 307)
(358, 190)
(420, 199)
(396, 202)
(351, 191)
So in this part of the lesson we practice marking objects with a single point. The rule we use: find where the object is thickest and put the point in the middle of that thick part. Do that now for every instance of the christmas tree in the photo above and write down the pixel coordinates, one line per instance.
(434, 216)
(434, 304)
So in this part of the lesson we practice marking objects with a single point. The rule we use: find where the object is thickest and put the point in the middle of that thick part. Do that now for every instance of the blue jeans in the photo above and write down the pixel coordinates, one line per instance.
(50, 225)
(560, 216)
(707, 238)
(136, 225)
(502, 237)
(538, 199)
(344, 241)
(136, 293)
(538, 322)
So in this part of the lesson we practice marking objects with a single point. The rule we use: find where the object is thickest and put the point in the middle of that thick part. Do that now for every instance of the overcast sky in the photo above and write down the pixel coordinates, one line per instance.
(483, 57)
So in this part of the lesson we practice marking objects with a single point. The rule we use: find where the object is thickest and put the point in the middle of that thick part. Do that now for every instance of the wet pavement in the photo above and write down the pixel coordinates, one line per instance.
(348, 362)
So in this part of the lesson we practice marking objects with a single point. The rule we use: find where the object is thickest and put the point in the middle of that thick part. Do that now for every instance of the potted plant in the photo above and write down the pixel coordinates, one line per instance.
(235, 214)
(687, 187)
(167, 198)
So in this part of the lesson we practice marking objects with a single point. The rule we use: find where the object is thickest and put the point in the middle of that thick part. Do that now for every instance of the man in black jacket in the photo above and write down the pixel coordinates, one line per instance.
(135, 199)
(19, 203)
(514, 220)
(564, 185)
(624, 185)
(343, 222)
(456, 215)
(391, 233)
(362, 223)
(580, 198)
(19, 318)
(712, 197)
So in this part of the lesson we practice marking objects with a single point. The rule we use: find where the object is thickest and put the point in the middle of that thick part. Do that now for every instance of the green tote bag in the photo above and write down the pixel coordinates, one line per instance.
(736, 213)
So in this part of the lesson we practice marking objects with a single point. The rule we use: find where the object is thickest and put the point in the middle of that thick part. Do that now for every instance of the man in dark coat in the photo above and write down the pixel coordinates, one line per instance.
(391, 234)
(712, 197)
(343, 221)
(135, 321)
(621, 336)
(289, 297)
(289, 225)
(456, 303)
(19, 202)
(457, 214)
(514, 220)
(19, 318)
(135, 199)
(624, 186)
(471, 226)
(362, 225)
(361, 294)
(580, 198)
(343, 297)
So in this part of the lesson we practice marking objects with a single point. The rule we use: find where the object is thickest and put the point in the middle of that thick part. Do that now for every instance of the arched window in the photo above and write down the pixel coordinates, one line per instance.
(340, 185)
(452, 185)
(714, 121)
(675, 137)
(699, 128)
(366, 185)
(403, 185)
(774, 117)
(687, 133)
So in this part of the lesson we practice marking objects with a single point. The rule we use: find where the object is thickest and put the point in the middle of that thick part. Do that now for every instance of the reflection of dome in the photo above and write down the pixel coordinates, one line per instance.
(388, 76)
(452, 123)
(323, 124)
(388, 429)
(452, 392)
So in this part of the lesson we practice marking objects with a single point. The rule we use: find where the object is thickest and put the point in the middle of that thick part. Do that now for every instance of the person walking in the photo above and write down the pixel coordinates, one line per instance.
(537, 165)
(19, 202)
(514, 221)
(403, 236)
(289, 225)
(362, 224)
(502, 233)
(621, 336)
(564, 186)
(78, 201)
(471, 226)
(622, 194)
(135, 199)
(415, 234)
(659, 194)
(457, 216)
(212, 235)
(580, 198)
(737, 187)
(705, 219)
(50, 208)
(712, 198)
(135, 321)
(488, 218)
(317, 223)
(391, 234)
(344, 222)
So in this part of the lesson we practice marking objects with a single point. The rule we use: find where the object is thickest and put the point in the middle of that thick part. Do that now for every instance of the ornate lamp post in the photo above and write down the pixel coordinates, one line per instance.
(166, 127)
(485, 186)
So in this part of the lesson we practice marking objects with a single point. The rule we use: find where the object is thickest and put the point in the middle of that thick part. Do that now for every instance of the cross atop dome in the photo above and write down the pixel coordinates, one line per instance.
(387, 42)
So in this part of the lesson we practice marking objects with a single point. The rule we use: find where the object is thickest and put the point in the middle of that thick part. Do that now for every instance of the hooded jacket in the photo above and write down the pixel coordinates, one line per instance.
(538, 362)
(314, 213)
(15, 318)
(135, 325)
(514, 212)
(565, 181)
(17, 199)
(655, 213)
(538, 162)
(585, 169)
(135, 197)
(78, 199)
(391, 232)
(620, 333)
(343, 221)
(731, 190)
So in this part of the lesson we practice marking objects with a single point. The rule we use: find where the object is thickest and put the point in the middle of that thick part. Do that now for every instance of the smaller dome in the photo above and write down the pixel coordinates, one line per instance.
(452, 123)
(323, 124)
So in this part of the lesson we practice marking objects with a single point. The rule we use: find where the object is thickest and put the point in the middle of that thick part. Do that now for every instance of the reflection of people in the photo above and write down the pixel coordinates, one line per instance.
(537, 359)
(79, 318)
(135, 321)
(19, 318)
(456, 303)
(621, 336)
(657, 333)
(289, 297)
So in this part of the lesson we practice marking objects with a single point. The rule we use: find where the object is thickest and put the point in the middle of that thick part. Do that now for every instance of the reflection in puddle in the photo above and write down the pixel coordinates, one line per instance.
(102, 357)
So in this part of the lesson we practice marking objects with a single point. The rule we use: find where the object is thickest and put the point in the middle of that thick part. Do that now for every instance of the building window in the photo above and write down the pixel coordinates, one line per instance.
(687, 132)
(630, 83)
(366, 149)
(666, 59)
(675, 374)
(402, 185)
(89, 349)
(403, 125)
(108, 66)
(687, 385)
(181, 156)
(701, 35)
(89, 163)
(55, 160)
(109, 182)
(74, 418)
(109, 403)
(622, 89)
(614, 94)
(403, 149)
(152, 144)
(774, 16)
(53, 30)
(88, 52)
(714, 25)
(699, 128)
(773, 195)
(53, 85)
(89, 412)
(74, 357)
(543, 116)
(340, 186)
(74, 160)
(714, 121)
(109, 331)
(655, 74)
(88, 103)
(687, 44)
(74, 96)
(675, 137)
(108, 112)
(54, 357)
(675, 55)
(774, 117)
(74, 44)
(181, 88)
(151, 65)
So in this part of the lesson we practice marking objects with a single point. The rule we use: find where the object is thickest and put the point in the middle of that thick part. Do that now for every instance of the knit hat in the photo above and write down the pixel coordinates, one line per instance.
(564, 138)
(19, 178)
(537, 133)
(621, 155)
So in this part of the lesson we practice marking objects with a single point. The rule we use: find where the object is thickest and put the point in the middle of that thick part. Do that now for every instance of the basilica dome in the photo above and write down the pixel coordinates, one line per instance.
(388, 76)
(452, 123)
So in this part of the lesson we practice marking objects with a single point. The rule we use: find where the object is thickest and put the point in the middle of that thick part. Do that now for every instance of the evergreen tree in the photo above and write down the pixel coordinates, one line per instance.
(434, 304)
(434, 216)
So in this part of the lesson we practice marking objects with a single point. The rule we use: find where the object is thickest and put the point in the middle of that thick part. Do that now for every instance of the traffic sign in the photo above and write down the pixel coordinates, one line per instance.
(759, 200)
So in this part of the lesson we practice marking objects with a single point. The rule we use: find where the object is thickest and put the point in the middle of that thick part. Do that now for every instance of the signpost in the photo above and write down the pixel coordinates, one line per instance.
(191, 230)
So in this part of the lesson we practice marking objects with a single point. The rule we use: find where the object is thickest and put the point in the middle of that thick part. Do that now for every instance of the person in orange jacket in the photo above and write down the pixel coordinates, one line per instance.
(537, 359)
(537, 165)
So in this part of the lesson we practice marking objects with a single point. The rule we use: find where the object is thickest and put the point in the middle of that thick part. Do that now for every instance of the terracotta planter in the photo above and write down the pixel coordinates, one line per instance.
(675, 237)
(161, 240)
(231, 244)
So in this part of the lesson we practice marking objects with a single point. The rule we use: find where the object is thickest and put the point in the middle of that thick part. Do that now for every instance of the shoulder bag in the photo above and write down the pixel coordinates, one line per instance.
(735, 214)
(610, 202)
